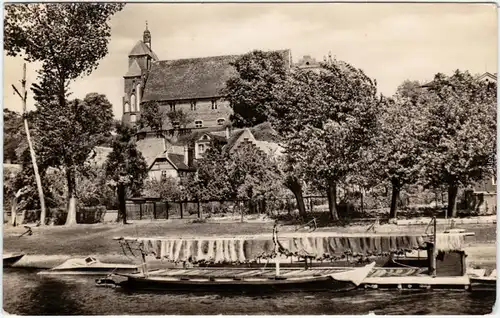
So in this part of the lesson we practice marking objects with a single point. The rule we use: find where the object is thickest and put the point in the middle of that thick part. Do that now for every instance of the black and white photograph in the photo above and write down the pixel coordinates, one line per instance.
(251, 158)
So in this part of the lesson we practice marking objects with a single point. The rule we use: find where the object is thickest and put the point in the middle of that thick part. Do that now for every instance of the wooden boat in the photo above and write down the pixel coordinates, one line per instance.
(11, 259)
(89, 266)
(483, 283)
(249, 281)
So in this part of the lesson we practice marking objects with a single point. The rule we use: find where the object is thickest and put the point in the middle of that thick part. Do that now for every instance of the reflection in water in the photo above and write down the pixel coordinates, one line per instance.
(29, 294)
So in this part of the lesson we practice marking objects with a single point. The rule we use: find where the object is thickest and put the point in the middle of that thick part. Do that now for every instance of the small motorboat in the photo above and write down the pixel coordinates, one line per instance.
(11, 259)
(89, 266)
(482, 282)
(248, 280)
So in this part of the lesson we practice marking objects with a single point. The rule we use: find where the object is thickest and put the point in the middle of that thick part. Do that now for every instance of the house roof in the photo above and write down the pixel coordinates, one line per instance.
(141, 49)
(151, 148)
(134, 70)
(193, 78)
(484, 76)
(178, 161)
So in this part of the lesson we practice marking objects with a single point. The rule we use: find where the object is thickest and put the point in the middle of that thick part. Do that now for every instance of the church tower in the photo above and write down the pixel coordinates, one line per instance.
(140, 59)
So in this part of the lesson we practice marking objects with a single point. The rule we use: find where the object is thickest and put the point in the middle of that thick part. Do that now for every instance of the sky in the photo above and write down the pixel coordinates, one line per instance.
(390, 42)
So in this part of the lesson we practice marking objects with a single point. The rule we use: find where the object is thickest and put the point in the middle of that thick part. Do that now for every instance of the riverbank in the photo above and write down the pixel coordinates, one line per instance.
(50, 246)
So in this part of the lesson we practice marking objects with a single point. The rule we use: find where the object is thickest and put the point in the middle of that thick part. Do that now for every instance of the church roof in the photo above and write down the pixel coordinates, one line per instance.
(192, 78)
(141, 49)
(134, 70)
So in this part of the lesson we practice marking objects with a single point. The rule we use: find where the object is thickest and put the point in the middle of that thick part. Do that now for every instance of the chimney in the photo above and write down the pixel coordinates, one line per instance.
(227, 133)
(186, 155)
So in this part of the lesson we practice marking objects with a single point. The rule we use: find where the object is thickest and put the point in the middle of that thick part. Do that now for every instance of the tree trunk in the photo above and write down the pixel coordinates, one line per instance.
(13, 216)
(452, 201)
(294, 185)
(122, 209)
(332, 200)
(71, 198)
(394, 200)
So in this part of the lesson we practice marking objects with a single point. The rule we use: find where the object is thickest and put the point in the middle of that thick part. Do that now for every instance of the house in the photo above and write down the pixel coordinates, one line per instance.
(193, 85)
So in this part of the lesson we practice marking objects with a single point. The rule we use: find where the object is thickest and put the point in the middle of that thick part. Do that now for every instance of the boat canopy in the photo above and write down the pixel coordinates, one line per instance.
(315, 245)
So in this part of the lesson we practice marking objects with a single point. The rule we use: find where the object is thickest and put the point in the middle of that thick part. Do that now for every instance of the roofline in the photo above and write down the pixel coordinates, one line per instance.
(181, 99)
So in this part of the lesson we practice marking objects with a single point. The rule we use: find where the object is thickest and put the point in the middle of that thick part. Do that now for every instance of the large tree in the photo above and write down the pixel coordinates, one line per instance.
(14, 136)
(125, 167)
(328, 119)
(66, 135)
(396, 155)
(67, 39)
(460, 134)
(250, 91)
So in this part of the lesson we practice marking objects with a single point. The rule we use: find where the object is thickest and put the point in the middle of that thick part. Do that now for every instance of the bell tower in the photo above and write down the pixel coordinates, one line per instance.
(146, 36)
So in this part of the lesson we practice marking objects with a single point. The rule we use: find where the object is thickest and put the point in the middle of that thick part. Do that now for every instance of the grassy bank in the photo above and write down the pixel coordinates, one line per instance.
(57, 243)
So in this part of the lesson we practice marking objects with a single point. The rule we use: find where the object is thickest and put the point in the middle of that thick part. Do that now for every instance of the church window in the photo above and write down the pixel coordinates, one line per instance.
(138, 92)
(221, 121)
(132, 102)
(214, 104)
(133, 118)
(193, 105)
(198, 123)
(493, 181)
(127, 108)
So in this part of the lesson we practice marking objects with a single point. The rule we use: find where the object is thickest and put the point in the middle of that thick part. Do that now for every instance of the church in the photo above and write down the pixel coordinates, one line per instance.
(193, 85)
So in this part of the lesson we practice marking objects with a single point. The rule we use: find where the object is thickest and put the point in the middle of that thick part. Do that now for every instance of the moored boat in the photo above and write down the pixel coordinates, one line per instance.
(483, 283)
(89, 266)
(11, 259)
(249, 281)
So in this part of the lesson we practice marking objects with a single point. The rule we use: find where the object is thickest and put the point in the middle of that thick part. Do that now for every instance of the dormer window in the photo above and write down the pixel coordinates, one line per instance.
(214, 104)
(198, 123)
(221, 121)
(176, 124)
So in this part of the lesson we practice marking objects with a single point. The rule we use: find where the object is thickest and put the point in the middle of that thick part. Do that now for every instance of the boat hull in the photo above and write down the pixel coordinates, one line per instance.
(257, 286)
(8, 261)
(88, 271)
(482, 284)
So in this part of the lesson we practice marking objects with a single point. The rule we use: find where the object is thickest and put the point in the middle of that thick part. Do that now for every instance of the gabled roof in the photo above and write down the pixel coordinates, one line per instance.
(134, 70)
(178, 162)
(193, 78)
(487, 76)
(141, 49)
(151, 148)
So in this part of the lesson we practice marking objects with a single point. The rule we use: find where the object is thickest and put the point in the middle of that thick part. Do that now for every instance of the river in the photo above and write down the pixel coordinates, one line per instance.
(26, 293)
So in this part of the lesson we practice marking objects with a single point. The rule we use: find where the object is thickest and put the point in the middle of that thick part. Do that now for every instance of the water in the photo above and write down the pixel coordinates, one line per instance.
(26, 293)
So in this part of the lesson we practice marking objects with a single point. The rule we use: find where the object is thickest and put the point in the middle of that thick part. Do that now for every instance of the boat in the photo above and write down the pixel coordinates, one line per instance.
(249, 281)
(11, 259)
(482, 282)
(89, 266)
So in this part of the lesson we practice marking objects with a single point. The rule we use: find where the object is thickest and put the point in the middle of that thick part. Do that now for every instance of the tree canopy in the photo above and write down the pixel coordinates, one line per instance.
(250, 91)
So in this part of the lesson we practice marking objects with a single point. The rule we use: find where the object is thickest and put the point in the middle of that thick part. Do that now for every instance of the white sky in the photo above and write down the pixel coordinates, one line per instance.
(390, 42)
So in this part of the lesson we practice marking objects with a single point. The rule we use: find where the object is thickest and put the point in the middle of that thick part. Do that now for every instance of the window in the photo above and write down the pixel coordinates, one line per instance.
(133, 118)
(198, 123)
(163, 174)
(132, 102)
(127, 108)
(193, 105)
(214, 104)
(201, 148)
(176, 124)
(220, 121)
(172, 106)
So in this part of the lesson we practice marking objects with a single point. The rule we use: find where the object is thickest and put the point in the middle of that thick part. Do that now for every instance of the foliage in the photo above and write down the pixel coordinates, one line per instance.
(167, 189)
(151, 116)
(125, 164)
(251, 91)
(460, 139)
(328, 120)
(14, 136)
(244, 174)
(125, 167)
(179, 116)
(92, 188)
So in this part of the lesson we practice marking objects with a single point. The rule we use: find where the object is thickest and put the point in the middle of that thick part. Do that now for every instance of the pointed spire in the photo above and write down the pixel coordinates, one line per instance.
(147, 25)
(146, 37)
